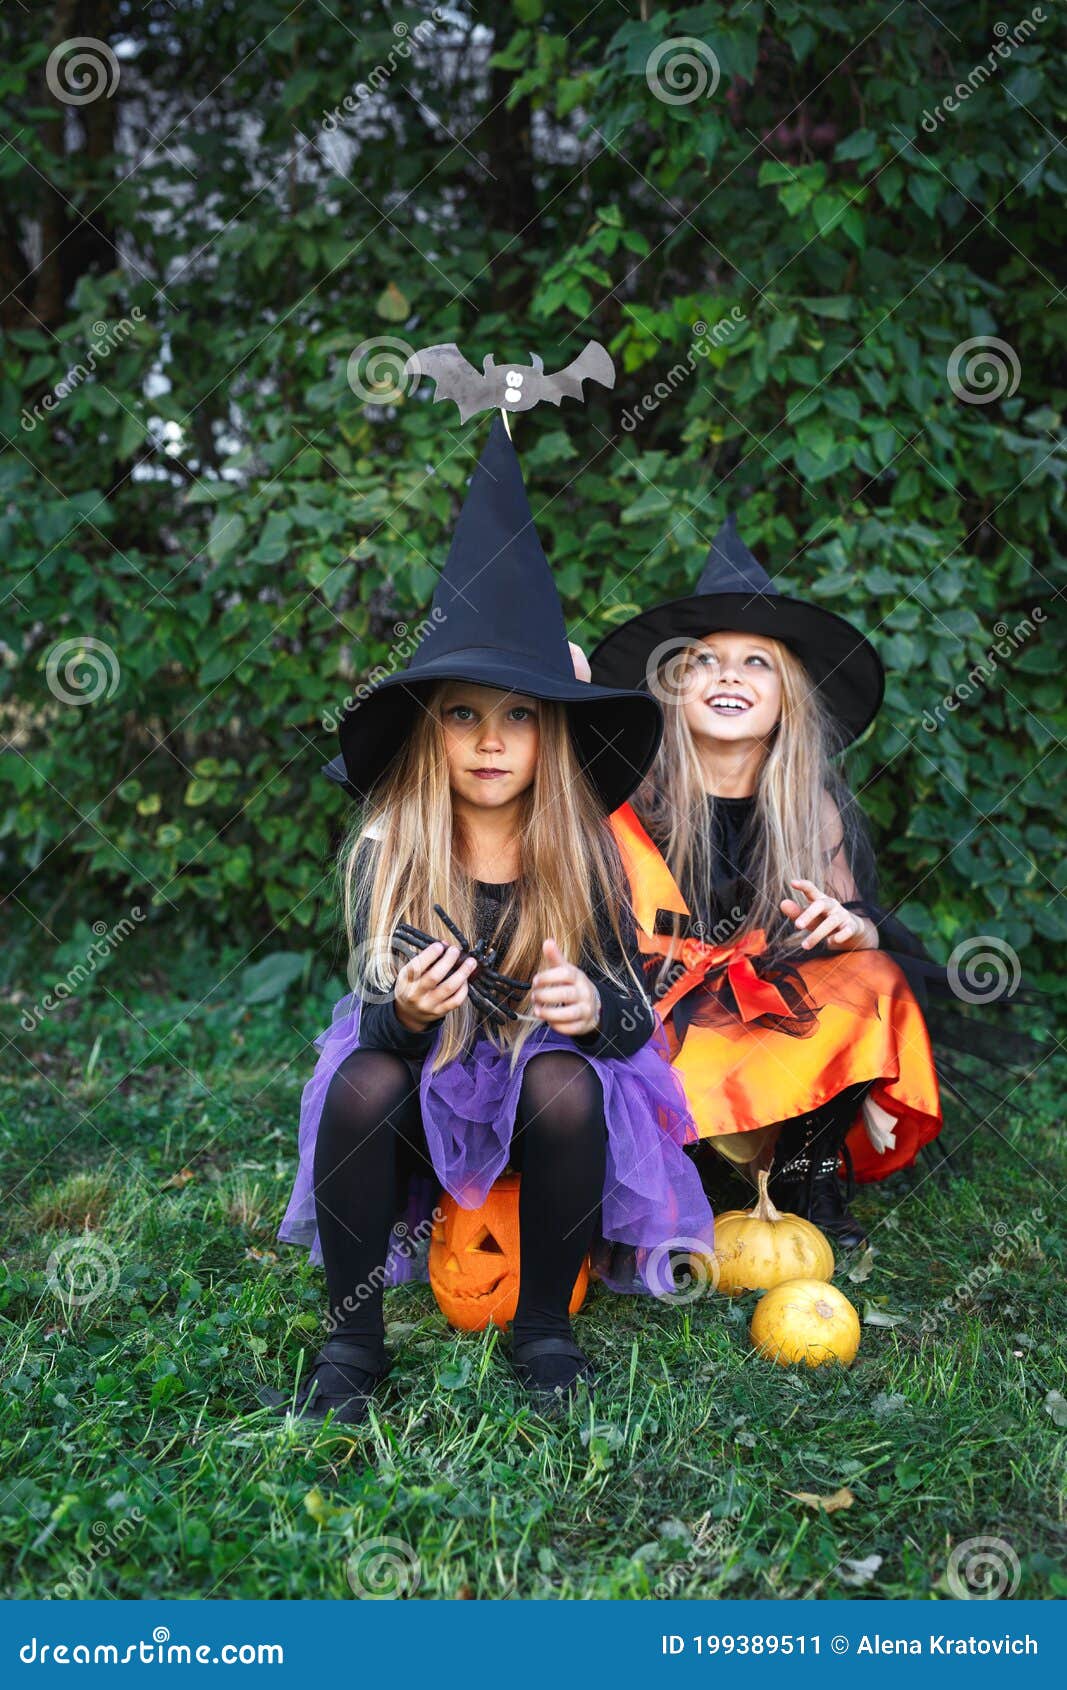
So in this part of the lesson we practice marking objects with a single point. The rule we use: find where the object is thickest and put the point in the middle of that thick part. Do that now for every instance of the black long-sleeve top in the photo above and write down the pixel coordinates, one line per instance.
(720, 906)
(626, 1019)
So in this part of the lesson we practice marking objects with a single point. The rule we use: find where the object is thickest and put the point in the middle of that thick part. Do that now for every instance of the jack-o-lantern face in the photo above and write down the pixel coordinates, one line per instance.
(474, 1260)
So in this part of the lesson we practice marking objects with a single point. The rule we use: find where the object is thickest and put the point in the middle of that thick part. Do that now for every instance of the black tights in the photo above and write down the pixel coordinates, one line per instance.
(371, 1127)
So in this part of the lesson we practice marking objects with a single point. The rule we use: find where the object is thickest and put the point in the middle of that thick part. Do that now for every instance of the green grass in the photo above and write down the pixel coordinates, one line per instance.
(134, 1461)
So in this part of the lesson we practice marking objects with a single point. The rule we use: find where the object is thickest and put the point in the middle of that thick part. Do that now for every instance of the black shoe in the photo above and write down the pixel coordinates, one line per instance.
(341, 1379)
(551, 1369)
(803, 1178)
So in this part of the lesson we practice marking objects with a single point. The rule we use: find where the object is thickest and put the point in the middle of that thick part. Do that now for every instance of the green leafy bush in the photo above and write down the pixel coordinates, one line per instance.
(785, 266)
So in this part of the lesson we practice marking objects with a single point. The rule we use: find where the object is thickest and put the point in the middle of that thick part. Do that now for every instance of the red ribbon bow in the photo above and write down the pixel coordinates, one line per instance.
(754, 996)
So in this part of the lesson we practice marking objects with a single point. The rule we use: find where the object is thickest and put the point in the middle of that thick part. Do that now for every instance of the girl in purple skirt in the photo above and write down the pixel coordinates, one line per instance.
(485, 773)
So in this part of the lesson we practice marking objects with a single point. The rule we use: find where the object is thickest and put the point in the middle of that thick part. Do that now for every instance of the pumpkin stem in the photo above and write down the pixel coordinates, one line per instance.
(765, 1209)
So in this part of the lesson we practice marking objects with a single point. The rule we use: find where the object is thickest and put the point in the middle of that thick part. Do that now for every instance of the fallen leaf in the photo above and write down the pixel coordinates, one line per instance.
(884, 1406)
(1057, 1407)
(881, 1317)
(842, 1498)
(858, 1572)
(863, 1268)
(179, 1179)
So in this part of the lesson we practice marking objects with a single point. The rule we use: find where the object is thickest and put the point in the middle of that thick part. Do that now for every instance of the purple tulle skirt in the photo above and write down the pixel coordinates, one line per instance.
(653, 1202)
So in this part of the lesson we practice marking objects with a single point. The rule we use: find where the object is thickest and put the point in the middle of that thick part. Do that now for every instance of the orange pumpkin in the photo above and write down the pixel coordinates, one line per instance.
(474, 1260)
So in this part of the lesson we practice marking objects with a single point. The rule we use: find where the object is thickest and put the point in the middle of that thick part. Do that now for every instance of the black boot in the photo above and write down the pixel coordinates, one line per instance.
(804, 1172)
(552, 1370)
(340, 1381)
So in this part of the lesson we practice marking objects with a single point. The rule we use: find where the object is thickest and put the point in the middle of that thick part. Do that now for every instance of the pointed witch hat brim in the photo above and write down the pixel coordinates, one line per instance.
(497, 621)
(736, 595)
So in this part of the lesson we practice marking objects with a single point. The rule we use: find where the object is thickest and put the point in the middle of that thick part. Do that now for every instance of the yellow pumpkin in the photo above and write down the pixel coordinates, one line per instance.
(806, 1320)
(758, 1248)
(474, 1260)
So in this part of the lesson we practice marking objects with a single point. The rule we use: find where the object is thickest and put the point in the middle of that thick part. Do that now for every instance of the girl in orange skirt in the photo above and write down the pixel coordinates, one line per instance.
(797, 1036)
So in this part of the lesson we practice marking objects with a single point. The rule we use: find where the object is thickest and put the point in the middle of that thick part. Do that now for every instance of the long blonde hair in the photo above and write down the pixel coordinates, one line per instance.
(788, 839)
(569, 868)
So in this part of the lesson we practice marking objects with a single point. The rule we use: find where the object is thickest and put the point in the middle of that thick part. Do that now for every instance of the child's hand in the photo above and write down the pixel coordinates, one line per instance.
(564, 996)
(426, 988)
(841, 928)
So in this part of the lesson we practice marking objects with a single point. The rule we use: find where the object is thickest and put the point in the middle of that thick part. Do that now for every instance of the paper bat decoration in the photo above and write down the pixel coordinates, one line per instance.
(511, 387)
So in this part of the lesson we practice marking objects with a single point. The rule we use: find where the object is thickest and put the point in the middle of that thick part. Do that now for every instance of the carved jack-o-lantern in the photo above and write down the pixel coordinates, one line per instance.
(474, 1260)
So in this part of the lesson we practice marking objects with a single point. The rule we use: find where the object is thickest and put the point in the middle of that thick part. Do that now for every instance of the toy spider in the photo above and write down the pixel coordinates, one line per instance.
(493, 988)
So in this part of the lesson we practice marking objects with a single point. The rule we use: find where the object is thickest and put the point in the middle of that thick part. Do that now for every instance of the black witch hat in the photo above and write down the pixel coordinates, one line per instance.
(497, 620)
(735, 593)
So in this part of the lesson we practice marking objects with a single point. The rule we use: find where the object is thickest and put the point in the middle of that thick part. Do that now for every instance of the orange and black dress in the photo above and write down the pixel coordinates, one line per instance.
(759, 1039)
